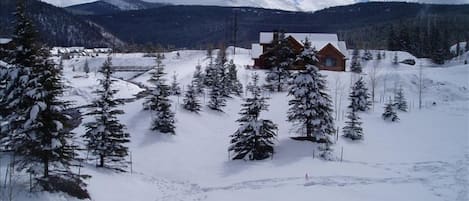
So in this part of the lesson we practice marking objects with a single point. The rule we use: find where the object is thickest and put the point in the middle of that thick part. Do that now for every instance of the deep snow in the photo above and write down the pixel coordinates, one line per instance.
(423, 157)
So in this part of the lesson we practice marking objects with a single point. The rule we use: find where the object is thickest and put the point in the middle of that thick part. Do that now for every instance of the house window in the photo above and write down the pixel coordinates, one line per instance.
(330, 62)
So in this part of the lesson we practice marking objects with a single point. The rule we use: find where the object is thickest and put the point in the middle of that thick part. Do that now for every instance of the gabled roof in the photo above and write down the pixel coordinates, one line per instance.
(5, 40)
(318, 40)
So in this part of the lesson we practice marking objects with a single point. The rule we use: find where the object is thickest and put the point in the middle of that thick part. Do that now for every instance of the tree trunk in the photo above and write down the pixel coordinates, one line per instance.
(46, 166)
(101, 160)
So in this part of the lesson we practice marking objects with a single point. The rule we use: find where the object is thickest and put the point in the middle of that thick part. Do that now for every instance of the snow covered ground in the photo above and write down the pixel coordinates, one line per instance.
(423, 157)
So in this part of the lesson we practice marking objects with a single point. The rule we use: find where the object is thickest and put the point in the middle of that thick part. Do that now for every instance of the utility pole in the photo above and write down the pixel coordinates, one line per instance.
(235, 30)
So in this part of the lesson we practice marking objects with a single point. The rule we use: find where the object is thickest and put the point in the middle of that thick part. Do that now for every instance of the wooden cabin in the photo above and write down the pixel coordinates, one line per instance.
(332, 53)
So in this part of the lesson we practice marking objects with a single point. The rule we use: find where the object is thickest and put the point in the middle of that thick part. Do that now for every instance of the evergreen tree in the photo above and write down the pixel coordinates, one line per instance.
(158, 101)
(105, 136)
(280, 60)
(400, 102)
(86, 67)
(235, 85)
(360, 97)
(353, 128)
(38, 131)
(191, 102)
(466, 48)
(217, 99)
(356, 66)
(198, 80)
(389, 113)
(311, 106)
(367, 55)
(254, 138)
(175, 88)
(395, 59)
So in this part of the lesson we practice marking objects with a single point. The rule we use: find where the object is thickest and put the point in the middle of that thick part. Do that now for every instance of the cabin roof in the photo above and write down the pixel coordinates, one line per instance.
(318, 40)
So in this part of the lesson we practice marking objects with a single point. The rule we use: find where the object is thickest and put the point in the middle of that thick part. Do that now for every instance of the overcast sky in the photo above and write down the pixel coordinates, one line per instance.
(312, 4)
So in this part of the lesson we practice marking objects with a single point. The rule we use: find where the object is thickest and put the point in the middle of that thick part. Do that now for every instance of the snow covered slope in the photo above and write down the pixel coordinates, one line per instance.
(423, 157)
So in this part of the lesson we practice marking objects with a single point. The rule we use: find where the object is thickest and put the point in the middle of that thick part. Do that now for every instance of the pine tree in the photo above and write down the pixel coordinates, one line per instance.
(38, 131)
(311, 106)
(175, 88)
(105, 136)
(191, 102)
(86, 67)
(217, 99)
(395, 59)
(255, 137)
(158, 101)
(353, 128)
(400, 102)
(280, 60)
(389, 113)
(356, 66)
(198, 80)
(466, 48)
(360, 97)
(235, 85)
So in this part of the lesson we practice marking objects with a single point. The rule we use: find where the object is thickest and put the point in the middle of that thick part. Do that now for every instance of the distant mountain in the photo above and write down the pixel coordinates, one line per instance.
(111, 6)
(195, 26)
(56, 26)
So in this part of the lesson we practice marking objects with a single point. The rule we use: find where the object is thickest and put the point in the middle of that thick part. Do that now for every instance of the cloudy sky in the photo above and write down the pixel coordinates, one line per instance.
(285, 4)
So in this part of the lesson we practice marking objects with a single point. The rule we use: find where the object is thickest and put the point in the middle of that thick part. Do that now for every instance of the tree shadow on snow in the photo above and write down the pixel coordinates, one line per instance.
(288, 151)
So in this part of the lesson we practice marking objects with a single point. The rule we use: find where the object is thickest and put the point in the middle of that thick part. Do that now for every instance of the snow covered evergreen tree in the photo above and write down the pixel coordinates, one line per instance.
(198, 80)
(359, 96)
(158, 101)
(356, 66)
(400, 102)
(105, 137)
(217, 99)
(311, 106)
(38, 131)
(234, 84)
(255, 137)
(280, 60)
(395, 59)
(175, 88)
(86, 67)
(353, 129)
(191, 101)
(389, 112)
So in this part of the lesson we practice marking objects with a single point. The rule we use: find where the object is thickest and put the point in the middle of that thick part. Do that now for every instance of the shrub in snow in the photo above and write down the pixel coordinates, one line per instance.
(255, 137)
(158, 101)
(105, 136)
(400, 102)
(389, 113)
(191, 102)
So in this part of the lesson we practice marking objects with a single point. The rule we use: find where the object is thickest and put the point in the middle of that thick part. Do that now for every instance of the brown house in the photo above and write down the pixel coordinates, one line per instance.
(332, 53)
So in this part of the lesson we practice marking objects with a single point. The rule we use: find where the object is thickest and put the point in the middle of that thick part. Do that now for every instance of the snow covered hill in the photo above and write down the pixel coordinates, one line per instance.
(423, 157)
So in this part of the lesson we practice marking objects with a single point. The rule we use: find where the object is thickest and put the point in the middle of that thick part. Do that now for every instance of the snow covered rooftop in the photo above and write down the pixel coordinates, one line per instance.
(318, 40)
(257, 50)
(5, 40)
